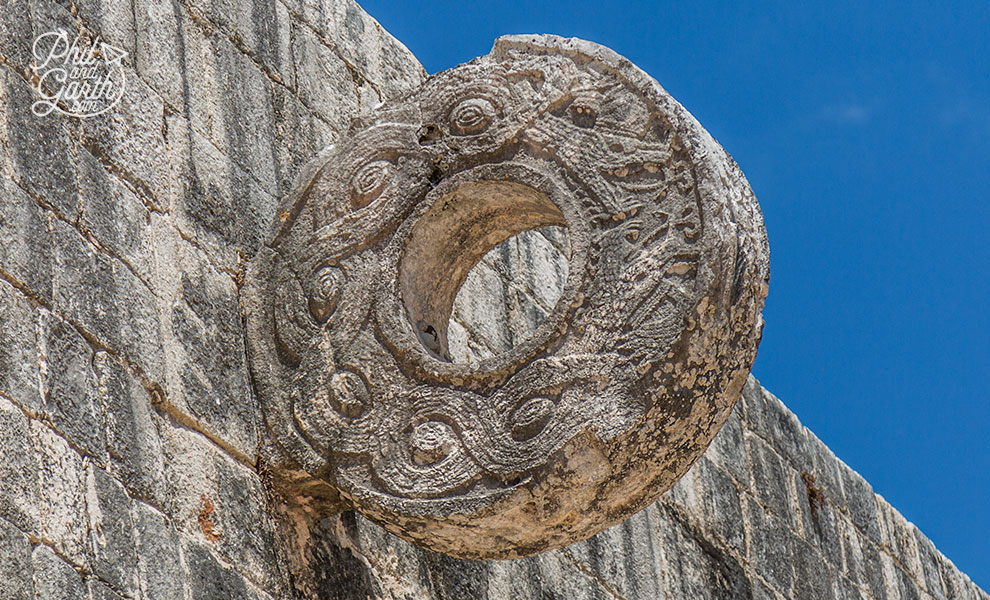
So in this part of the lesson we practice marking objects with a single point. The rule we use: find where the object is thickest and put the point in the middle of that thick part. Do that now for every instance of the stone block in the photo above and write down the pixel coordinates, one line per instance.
(728, 449)
(698, 569)
(554, 575)
(901, 538)
(790, 437)
(19, 492)
(813, 579)
(929, 556)
(754, 412)
(100, 591)
(62, 498)
(827, 472)
(907, 587)
(302, 133)
(227, 99)
(208, 374)
(957, 584)
(113, 22)
(262, 33)
(712, 498)
(771, 478)
(482, 293)
(19, 373)
(208, 579)
(330, 542)
(15, 563)
(540, 260)
(159, 58)
(769, 550)
(55, 579)
(873, 568)
(16, 23)
(509, 293)
(161, 570)
(768, 417)
(853, 552)
(111, 531)
(69, 390)
(26, 251)
(325, 81)
(762, 591)
(6, 168)
(862, 504)
(344, 27)
(449, 577)
(220, 502)
(131, 138)
(847, 590)
(818, 519)
(219, 205)
(627, 557)
(249, 542)
(133, 443)
(107, 299)
(41, 149)
(115, 216)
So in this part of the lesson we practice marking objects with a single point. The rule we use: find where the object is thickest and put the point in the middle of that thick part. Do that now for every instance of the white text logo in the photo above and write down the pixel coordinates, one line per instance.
(76, 77)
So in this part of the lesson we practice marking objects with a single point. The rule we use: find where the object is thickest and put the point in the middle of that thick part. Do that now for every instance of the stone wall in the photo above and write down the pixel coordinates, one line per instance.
(128, 425)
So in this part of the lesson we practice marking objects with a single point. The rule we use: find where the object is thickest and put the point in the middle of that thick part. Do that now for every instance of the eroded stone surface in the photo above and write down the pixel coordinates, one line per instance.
(614, 395)
(64, 529)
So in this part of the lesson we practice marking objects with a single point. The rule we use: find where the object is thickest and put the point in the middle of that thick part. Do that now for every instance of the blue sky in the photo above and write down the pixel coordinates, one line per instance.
(864, 129)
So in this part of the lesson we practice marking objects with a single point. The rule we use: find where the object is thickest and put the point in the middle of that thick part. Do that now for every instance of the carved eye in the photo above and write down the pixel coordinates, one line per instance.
(326, 293)
(348, 394)
(471, 116)
(529, 419)
(369, 181)
(431, 442)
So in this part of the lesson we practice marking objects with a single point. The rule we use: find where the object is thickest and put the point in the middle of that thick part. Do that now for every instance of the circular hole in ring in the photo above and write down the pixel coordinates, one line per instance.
(482, 268)
(508, 294)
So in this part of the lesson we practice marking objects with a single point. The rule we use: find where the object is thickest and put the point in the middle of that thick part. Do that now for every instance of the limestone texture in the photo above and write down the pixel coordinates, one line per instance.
(617, 391)
(129, 426)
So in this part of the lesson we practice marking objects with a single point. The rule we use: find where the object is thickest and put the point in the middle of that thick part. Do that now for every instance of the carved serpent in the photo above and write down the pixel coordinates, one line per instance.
(616, 393)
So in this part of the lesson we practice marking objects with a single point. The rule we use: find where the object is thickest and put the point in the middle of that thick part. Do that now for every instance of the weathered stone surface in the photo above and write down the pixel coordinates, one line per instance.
(19, 369)
(609, 401)
(103, 234)
(15, 563)
(133, 444)
(106, 298)
(62, 494)
(55, 579)
(26, 248)
(111, 531)
(69, 390)
(209, 580)
(677, 539)
(700, 569)
(508, 294)
(19, 493)
(160, 568)
(769, 547)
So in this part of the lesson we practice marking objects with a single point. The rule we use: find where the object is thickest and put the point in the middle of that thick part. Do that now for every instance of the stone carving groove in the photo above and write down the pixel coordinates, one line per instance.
(616, 393)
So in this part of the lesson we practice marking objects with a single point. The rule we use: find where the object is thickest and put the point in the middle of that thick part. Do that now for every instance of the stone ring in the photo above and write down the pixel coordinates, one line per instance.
(611, 398)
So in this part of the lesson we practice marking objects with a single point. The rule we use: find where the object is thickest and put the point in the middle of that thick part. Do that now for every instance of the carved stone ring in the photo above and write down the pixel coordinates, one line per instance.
(614, 395)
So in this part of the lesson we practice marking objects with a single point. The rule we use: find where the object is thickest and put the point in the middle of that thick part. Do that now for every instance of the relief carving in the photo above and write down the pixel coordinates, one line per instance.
(616, 393)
